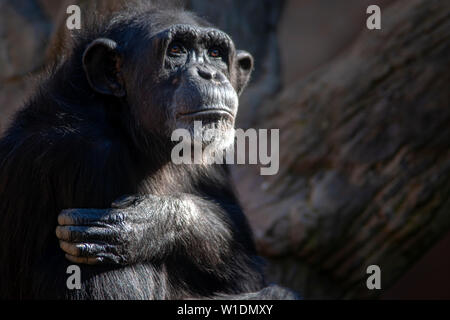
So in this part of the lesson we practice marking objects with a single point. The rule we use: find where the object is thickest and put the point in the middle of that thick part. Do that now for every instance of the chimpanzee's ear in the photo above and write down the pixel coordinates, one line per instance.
(101, 63)
(244, 61)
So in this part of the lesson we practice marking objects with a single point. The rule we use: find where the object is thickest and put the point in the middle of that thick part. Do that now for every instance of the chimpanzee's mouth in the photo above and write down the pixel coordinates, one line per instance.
(208, 113)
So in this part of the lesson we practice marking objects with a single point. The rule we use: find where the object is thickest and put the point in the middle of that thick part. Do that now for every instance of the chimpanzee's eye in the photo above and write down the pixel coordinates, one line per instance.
(214, 52)
(175, 49)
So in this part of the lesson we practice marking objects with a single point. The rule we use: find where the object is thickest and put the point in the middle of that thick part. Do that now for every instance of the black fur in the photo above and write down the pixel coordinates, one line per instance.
(73, 147)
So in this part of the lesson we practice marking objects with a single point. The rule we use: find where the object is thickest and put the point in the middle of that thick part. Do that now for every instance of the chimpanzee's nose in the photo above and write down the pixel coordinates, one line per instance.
(205, 73)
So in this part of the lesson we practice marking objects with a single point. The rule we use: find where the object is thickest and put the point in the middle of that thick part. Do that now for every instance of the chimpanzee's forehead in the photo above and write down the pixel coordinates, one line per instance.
(195, 33)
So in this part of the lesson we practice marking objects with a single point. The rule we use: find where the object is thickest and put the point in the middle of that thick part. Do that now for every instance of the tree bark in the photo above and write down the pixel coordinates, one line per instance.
(364, 160)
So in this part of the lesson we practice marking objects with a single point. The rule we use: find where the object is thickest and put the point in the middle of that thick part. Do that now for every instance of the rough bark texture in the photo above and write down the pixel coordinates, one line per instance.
(364, 159)
(365, 133)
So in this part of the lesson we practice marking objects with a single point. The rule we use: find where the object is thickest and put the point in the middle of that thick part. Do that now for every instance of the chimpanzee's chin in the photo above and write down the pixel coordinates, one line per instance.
(206, 131)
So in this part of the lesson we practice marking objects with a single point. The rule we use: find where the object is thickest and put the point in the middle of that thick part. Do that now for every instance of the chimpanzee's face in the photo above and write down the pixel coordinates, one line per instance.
(201, 72)
(182, 74)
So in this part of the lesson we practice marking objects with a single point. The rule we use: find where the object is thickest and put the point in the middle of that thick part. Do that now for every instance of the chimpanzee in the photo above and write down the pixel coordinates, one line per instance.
(89, 158)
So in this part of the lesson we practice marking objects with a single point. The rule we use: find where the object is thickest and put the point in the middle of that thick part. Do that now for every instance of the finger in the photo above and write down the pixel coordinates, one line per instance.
(80, 217)
(84, 249)
(84, 260)
(85, 234)
(105, 258)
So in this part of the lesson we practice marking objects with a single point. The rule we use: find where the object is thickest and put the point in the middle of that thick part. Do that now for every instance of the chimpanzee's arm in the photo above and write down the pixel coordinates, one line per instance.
(146, 228)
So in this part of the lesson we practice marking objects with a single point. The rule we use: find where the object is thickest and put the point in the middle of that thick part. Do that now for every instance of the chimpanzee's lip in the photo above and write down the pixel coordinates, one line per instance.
(208, 112)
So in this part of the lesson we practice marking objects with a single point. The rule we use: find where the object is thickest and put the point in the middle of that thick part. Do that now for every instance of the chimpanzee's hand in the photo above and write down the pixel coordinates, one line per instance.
(94, 236)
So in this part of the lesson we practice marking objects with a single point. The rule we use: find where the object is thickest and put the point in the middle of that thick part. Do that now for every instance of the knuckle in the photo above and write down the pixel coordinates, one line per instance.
(83, 249)
(116, 217)
(99, 260)
(118, 259)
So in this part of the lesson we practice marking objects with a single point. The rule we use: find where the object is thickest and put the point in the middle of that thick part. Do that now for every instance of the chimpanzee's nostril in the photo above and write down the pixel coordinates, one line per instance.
(205, 74)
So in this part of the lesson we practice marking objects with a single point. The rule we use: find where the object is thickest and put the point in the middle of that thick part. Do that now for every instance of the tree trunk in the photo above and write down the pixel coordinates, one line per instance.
(364, 160)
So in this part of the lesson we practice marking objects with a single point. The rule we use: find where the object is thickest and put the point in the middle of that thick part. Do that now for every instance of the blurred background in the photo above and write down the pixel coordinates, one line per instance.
(364, 133)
